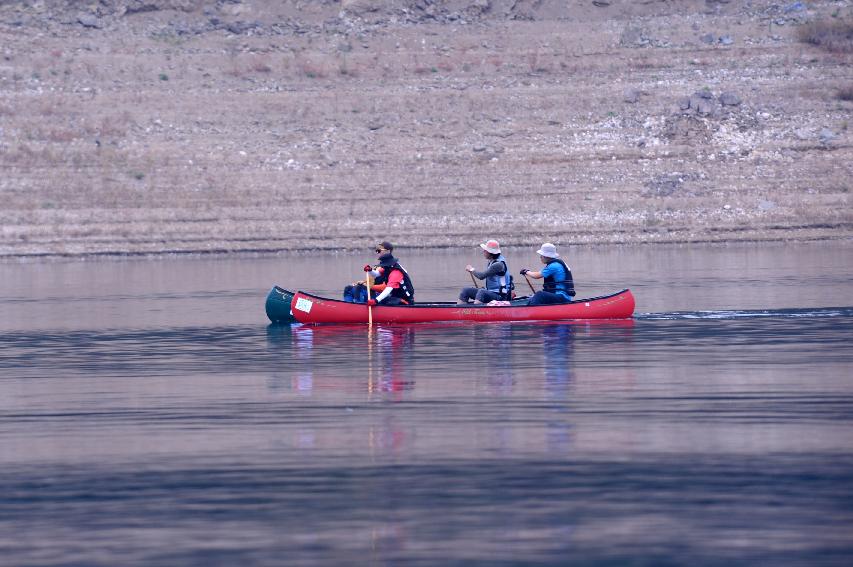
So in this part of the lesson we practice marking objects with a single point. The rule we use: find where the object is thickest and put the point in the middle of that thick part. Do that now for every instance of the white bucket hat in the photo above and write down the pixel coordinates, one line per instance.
(491, 246)
(548, 250)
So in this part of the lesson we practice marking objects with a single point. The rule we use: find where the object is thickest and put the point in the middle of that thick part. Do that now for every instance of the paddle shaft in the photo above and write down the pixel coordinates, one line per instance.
(530, 284)
(473, 279)
(369, 307)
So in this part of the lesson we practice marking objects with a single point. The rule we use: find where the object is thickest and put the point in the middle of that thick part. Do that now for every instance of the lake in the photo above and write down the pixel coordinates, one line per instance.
(150, 415)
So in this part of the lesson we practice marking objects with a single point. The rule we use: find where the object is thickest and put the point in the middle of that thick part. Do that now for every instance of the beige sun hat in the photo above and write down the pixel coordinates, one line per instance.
(548, 250)
(491, 246)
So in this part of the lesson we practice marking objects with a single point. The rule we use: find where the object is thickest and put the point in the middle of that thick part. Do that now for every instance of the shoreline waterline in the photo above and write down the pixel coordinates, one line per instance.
(337, 250)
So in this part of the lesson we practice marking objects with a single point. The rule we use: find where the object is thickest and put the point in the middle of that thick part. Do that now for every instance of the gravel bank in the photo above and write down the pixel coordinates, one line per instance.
(181, 126)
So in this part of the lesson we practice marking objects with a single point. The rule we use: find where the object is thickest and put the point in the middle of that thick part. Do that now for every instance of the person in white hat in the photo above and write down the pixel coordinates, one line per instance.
(559, 287)
(498, 286)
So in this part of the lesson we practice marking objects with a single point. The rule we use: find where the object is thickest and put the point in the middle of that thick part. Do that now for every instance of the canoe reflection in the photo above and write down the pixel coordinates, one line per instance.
(345, 358)
(390, 356)
(498, 340)
(557, 347)
(526, 381)
(491, 357)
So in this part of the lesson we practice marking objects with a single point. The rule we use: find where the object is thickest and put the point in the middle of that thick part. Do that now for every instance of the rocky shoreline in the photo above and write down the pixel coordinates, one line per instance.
(181, 126)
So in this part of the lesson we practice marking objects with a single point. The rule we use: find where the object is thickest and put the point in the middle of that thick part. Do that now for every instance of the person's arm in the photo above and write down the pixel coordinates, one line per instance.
(373, 273)
(385, 293)
(395, 278)
(495, 269)
(546, 271)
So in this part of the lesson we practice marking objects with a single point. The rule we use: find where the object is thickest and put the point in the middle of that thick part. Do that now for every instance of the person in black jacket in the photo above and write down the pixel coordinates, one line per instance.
(391, 282)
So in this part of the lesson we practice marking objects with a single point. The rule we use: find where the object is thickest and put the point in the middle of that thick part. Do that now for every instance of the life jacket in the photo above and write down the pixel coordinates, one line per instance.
(500, 284)
(566, 285)
(386, 262)
(406, 291)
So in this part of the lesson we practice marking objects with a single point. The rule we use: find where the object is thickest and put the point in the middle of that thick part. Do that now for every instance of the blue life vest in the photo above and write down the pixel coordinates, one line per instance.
(566, 284)
(500, 284)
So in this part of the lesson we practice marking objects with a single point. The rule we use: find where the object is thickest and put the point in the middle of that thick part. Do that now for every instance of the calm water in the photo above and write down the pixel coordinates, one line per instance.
(150, 416)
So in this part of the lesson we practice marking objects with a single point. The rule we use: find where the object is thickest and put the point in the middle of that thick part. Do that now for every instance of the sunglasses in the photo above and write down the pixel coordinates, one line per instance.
(378, 250)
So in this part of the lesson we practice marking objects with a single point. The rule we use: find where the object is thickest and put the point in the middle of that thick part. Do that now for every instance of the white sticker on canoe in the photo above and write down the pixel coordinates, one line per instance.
(304, 304)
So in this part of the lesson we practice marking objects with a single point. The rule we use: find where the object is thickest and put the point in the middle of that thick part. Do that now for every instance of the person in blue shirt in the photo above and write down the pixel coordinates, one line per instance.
(558, 286)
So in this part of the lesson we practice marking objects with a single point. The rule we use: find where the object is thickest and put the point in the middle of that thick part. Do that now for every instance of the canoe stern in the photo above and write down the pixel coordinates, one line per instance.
(278, 305)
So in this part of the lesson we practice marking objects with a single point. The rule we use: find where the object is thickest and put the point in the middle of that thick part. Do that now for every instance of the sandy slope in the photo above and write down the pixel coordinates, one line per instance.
(181, 125)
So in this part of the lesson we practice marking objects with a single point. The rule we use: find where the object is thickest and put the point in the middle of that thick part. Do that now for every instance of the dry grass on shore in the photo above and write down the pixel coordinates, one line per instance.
(832, 35)
(430, 134)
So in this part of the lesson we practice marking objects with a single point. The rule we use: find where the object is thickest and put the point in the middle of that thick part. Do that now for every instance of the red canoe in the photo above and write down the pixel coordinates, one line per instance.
(309, 308)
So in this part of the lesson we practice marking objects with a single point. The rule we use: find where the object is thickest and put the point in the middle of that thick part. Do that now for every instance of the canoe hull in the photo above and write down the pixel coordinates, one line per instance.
(278, 305)
(307, 308)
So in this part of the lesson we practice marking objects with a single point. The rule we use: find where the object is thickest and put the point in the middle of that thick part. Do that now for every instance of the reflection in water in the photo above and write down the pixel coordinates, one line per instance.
(346, 359)
(278, 345)
(383, 365)
(494, 340)
(557, 348)
(390, 370)
(377, 362)
(303, 379)
(492, 362)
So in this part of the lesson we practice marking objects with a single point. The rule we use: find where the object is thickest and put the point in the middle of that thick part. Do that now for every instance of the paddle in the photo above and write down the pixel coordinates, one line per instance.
(530, 284)
(369, 336)
(473, 279)
(369, 307)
